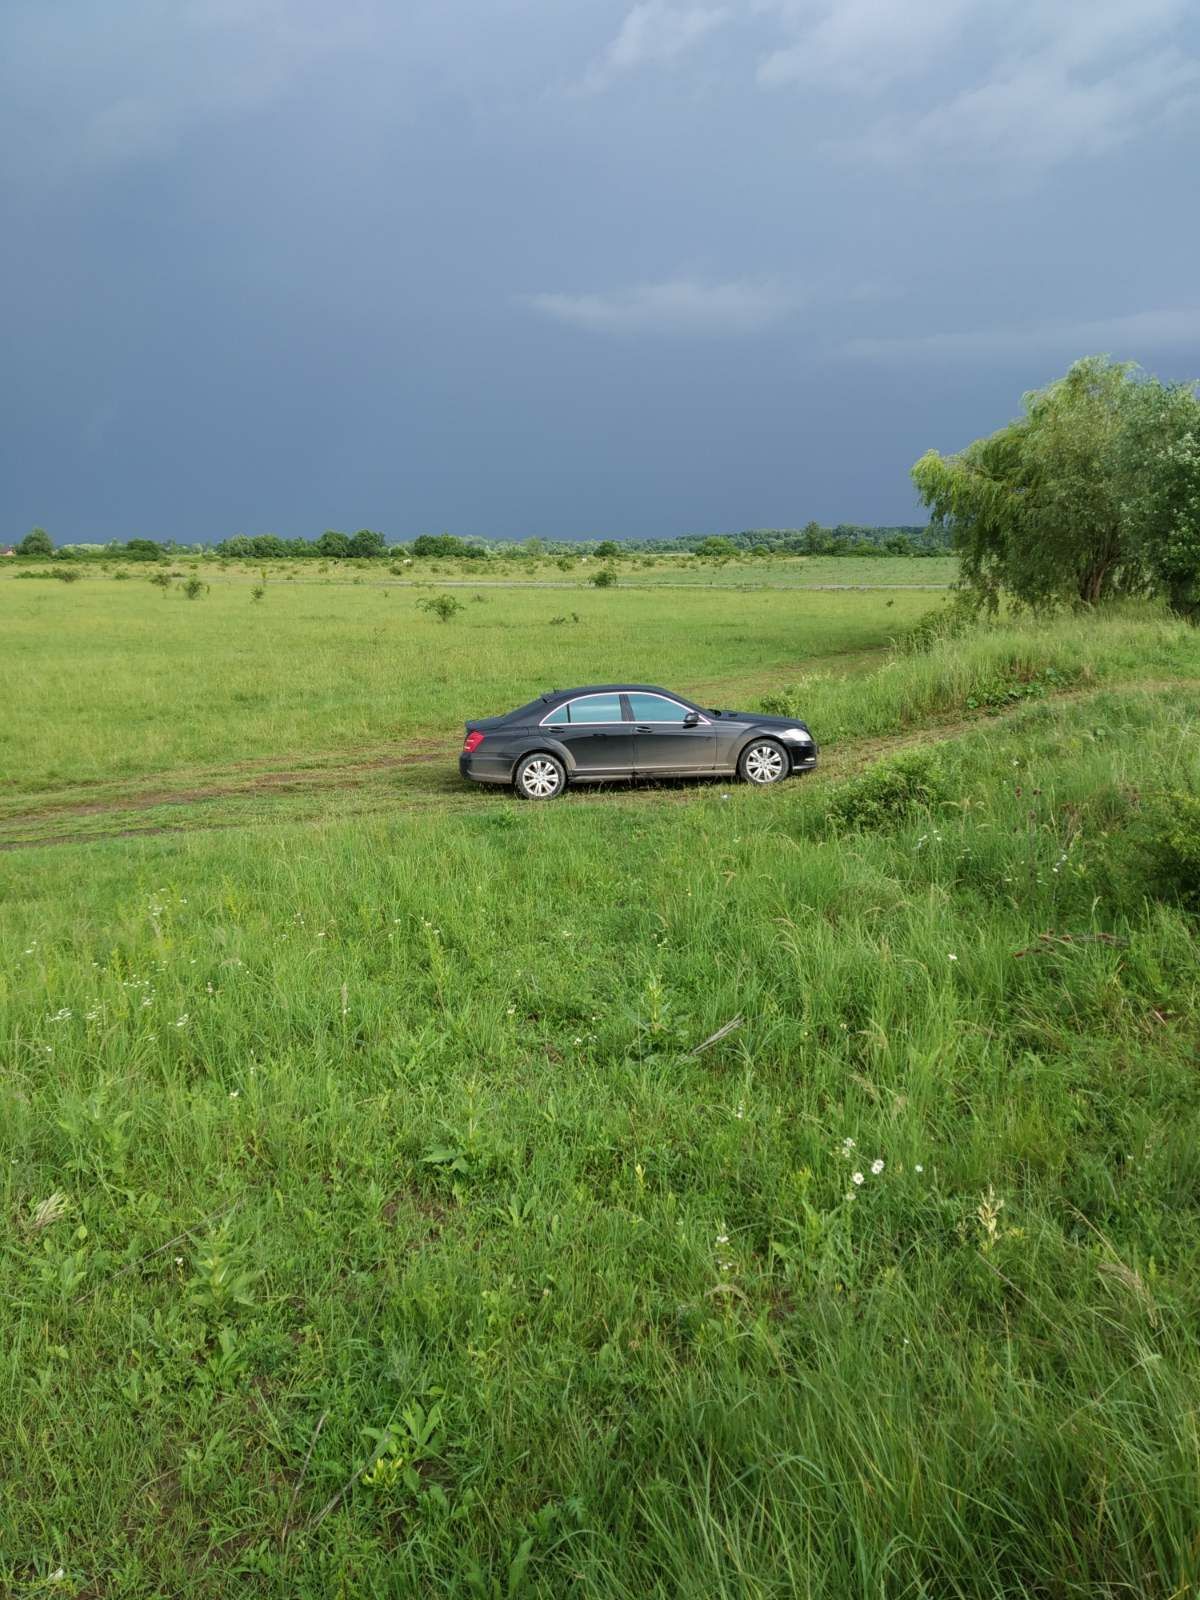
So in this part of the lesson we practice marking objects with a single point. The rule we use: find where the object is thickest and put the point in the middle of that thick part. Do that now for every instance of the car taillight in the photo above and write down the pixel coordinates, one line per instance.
(472, 742)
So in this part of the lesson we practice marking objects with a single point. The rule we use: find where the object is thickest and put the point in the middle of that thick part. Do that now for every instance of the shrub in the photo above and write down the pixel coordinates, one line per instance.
(949, 621)
(36, 543)
(889, 792)
(161, 580)
(67, 574)
(260, 589)
(441, 606)
(194, 588)
(1173, 839)
(605, 578)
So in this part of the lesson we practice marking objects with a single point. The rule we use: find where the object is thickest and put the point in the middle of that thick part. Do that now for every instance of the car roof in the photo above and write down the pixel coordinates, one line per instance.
(555, 696)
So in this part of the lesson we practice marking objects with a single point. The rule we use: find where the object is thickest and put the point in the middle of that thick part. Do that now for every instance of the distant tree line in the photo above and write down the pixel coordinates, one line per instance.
(843, 539)
(814, 539)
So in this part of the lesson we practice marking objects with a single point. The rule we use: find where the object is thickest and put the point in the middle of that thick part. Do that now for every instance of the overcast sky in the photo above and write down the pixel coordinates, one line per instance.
(567, 267)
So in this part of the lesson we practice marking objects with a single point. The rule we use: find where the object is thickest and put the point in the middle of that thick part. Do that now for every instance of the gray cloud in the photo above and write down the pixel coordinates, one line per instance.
(858, 45)
(266, 259)
(653, 33)
(1124, 336)
(679, 305)
(129, 92)
(1055, 82)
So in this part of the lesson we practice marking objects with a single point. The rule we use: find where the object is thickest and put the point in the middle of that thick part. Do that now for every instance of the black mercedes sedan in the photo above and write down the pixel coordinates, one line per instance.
(628, 730)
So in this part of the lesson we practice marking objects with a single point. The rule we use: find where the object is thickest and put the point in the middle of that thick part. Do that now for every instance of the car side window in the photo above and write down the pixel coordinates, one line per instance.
(656, 708)
(557, 716)
(596, 708)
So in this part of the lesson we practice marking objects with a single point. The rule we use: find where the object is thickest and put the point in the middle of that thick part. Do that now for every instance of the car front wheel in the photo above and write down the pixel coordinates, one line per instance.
(540, 777)
(763, 762)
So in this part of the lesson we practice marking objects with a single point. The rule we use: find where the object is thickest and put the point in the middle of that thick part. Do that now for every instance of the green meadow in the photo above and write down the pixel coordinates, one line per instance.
(682, 1192)
(112, 679)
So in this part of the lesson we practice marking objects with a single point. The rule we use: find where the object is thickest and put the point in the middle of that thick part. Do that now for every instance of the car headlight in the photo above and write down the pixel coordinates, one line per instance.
(796, 736)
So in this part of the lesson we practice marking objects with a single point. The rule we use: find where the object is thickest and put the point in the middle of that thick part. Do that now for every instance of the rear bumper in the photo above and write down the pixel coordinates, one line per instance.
(480, 768)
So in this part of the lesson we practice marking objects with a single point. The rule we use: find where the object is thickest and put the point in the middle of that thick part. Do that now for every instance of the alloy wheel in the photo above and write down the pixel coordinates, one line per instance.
(764, 763)
(541, 778)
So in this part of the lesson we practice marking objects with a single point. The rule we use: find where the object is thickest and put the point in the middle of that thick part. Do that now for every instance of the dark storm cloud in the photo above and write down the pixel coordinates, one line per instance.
(516, 267)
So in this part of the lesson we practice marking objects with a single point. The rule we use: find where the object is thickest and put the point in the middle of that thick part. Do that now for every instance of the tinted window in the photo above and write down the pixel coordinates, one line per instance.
(596, 708)
(559, 714)
(654, 708)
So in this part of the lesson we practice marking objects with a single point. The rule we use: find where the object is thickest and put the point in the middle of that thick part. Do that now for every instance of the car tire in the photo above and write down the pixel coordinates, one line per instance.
(763, 761)
(540, 777)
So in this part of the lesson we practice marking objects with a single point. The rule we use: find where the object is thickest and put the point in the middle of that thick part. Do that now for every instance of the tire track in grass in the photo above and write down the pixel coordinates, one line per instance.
(372, 782)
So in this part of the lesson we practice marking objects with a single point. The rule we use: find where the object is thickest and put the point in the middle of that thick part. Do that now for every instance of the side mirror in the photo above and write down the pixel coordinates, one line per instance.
(692, 720)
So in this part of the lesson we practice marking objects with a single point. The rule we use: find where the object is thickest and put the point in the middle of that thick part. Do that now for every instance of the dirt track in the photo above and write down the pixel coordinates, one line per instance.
(368, 783)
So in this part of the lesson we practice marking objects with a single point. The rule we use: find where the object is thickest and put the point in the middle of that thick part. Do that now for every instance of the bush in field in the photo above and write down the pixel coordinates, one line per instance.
(441, 606)
(144, 550)
(1172, 837)
(194, 588)
(67, 574)
(605, 578)
(37, 542)
(949, 621)
(161, 580)
(889, 792)
(258, 591)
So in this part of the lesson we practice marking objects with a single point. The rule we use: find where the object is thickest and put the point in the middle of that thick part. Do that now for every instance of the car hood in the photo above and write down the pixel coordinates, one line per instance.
(761, 721)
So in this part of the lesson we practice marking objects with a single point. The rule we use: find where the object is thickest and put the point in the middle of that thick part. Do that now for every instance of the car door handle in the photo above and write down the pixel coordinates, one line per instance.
(641, 729)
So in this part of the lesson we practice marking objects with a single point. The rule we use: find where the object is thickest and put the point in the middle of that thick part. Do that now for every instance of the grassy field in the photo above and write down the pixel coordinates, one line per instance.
(107, 679)
(378, 1221)
(780, 572)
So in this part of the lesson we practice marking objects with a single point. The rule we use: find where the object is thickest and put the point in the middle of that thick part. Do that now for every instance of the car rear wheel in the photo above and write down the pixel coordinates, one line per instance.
(763, 762)
(540, 777)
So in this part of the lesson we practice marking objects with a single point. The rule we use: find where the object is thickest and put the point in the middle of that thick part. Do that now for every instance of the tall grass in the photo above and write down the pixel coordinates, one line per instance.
(988, 668)
(405, 1245)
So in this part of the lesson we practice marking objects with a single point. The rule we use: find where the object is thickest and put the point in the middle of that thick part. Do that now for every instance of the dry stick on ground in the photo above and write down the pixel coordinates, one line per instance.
(715, 1038)
(150, 1254)
(312, 1444)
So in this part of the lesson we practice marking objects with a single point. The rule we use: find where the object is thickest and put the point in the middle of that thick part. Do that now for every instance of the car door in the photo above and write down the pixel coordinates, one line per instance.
(597, 732)
(663, 742)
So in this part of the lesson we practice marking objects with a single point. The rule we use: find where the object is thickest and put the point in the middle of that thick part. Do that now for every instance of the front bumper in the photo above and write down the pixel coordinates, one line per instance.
(481, 768)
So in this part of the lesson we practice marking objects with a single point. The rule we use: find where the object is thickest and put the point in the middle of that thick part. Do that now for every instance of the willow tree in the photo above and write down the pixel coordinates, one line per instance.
(1162, 444)
(1039, 509)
